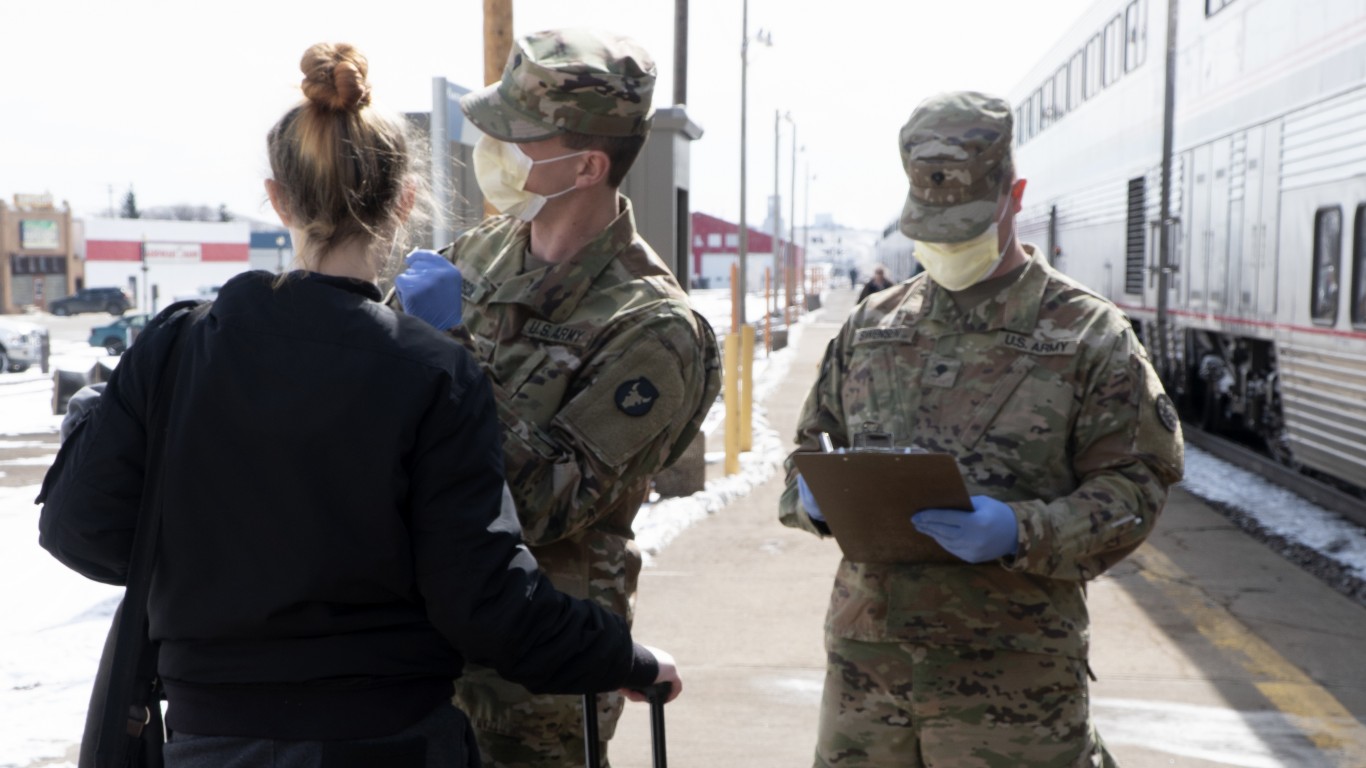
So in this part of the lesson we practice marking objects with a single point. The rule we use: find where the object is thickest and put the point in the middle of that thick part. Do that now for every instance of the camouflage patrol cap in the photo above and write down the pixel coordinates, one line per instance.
(581, 80)
(956, 151)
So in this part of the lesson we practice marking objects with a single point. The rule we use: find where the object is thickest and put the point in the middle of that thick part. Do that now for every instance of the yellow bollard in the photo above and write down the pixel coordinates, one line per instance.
(746, 387)
(731, 378)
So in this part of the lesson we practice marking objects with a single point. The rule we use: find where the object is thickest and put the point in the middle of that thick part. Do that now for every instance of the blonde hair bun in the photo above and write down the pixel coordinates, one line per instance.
(334, 77)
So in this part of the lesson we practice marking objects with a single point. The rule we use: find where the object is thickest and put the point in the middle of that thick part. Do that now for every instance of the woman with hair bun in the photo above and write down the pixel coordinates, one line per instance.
(334, 538)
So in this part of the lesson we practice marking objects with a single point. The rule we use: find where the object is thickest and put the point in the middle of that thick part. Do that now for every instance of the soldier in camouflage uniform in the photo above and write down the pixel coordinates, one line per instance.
(1041, 391)
(601, 370)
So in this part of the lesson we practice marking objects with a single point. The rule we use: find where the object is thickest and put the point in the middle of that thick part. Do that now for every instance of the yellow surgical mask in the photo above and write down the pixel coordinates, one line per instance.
(501, 168)
(956, 266)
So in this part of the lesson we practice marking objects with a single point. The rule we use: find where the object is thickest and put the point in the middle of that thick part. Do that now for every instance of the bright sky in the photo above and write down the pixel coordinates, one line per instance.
(175, 98)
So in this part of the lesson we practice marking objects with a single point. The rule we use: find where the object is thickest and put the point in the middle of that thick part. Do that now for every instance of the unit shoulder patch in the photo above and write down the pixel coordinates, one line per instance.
(636, 397)
(1166, 413)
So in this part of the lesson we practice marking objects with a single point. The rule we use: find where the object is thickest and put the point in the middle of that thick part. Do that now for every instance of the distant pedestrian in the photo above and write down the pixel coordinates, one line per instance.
(878, 282)
(335, 544)
(853, 277)
(1044, 396)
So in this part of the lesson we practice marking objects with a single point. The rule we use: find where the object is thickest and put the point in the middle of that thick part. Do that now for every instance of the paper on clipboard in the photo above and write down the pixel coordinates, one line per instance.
(867, 499)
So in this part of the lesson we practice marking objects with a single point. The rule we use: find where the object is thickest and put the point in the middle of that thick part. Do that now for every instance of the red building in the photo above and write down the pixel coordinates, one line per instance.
(716, 246)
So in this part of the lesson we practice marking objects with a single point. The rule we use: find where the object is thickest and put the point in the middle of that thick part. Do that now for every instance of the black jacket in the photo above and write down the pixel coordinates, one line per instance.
(873, 286)
(333, 541)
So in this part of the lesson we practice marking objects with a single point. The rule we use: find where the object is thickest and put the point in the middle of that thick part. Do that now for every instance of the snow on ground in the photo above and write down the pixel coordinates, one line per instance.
(55, 621)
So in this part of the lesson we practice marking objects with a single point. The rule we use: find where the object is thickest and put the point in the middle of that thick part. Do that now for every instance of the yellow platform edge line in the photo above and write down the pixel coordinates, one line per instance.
(1311, 708)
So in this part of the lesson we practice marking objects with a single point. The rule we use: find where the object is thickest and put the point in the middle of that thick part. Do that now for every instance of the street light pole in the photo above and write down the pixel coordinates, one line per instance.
(792, 216)
(806, 209)
(146, 289)
(766, 39)
(779, 259)
(744, 94)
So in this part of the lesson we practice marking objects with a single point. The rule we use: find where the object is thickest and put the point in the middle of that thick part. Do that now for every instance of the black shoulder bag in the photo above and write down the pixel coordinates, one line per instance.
(123, 726)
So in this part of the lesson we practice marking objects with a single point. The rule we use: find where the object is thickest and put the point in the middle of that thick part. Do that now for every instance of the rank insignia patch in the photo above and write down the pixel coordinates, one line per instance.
(636, 397)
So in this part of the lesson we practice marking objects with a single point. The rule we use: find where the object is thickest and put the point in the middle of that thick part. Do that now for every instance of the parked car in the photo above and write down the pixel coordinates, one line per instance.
(21, 345)
(204, 293)
(115, 301)
(119, 335)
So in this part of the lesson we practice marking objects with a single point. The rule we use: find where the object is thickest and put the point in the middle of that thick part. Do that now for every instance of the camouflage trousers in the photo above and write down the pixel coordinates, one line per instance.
(518, 729)
(905, 705)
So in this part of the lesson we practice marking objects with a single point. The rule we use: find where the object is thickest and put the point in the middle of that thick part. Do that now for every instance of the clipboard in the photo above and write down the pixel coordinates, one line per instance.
(868, 498)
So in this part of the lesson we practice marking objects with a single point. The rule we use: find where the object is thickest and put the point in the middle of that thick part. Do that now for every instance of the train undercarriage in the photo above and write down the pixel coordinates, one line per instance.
(1230, 388)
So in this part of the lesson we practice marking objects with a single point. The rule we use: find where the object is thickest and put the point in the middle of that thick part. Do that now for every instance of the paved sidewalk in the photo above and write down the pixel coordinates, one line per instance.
(740, 601)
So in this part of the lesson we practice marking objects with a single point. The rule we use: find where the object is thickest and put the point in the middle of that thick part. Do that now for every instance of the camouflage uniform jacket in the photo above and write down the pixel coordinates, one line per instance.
(1048, 402)
(602, 374)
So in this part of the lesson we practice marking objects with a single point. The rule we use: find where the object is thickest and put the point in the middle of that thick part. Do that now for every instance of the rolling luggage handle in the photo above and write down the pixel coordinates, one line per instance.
(657, 695)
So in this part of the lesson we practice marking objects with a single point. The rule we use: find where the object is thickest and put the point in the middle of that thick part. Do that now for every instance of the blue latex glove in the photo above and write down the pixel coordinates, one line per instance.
(808, 501)
(430, 289)
(987, 532)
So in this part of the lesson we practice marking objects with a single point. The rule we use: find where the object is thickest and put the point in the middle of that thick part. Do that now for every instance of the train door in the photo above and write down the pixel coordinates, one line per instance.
(1198, 229)
(1244, 219)
(1217, 238)
(1266, 232)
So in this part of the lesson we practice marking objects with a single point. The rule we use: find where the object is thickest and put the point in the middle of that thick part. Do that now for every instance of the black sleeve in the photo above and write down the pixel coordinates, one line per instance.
(482, 587)
(92, 494)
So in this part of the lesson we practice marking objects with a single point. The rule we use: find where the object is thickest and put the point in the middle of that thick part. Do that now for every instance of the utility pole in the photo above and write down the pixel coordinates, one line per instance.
(497, 38)
(806, 208)
(792, 216)
(1164, 236)
(779, 262)
(497, 46)
(744, 103)
(146, 289)
(680, 52)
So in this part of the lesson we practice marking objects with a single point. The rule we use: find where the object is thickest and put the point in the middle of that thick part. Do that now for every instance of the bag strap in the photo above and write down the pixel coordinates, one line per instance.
(119, 718)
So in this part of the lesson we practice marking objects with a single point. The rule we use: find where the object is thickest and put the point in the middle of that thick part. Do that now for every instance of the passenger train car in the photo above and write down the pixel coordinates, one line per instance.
(1261, 329)
(896, 252)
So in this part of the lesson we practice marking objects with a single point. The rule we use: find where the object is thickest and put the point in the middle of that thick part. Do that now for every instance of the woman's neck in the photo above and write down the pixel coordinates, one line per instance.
(349, 259)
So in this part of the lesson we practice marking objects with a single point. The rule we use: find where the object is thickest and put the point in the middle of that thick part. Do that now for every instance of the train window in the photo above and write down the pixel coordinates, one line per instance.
(1046, 104)
(1323, 303)
(1093, 66)
(1076, 80)
(1359, 269)
(1036, 113)
(1060, 92)
(1114, 50)
(1134, 39)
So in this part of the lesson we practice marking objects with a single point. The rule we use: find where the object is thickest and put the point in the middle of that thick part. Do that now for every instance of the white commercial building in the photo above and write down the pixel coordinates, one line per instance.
(157, 260)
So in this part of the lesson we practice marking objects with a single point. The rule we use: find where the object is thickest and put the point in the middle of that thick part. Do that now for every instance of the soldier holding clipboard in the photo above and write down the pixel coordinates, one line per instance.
(957, 630)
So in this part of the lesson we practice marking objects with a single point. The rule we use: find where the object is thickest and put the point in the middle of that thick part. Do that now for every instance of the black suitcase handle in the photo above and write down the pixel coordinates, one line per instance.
(656, 694)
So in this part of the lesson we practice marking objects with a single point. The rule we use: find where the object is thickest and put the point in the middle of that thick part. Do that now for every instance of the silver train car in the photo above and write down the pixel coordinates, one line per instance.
(1245, 274)
(896, 252)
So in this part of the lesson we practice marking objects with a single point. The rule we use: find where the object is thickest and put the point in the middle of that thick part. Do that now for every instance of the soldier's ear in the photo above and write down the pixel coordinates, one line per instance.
(1017, 194)
(596, 167)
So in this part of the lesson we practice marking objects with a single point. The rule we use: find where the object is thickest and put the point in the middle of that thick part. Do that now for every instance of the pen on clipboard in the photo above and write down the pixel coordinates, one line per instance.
(826, 446)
